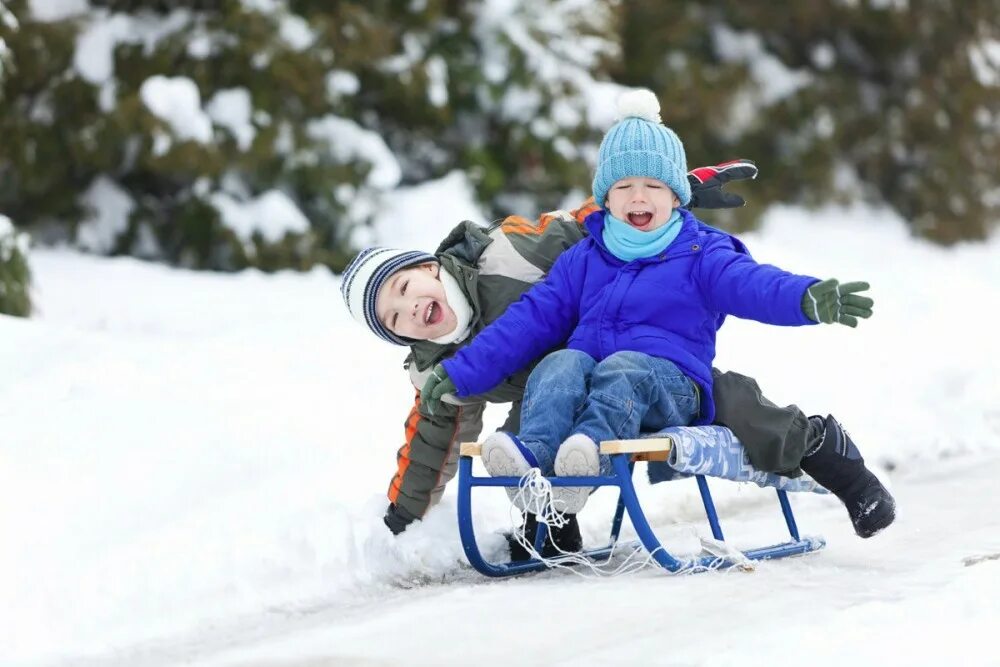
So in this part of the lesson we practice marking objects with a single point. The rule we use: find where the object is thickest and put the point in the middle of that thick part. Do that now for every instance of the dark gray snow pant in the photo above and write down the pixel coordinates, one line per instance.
(775, 438)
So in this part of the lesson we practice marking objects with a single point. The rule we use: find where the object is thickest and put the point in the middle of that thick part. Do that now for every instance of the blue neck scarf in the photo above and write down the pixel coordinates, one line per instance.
(627, 243)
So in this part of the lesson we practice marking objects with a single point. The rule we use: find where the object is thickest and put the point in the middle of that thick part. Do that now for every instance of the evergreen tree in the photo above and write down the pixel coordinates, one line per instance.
(892, 101)
(199, 118)
(218, 132)
(15, 276)
(8, 24)
(229, 133)
(505, 91)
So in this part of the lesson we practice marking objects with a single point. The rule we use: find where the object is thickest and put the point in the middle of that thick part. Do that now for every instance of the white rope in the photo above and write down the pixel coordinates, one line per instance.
(535, 494)
(727, 553)
(535, 491)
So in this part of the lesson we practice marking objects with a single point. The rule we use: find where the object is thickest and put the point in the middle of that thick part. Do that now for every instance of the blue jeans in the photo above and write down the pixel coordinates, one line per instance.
(614, 399)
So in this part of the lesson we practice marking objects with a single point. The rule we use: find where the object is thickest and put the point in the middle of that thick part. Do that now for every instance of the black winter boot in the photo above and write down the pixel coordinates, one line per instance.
(567, 538)
(837, 464)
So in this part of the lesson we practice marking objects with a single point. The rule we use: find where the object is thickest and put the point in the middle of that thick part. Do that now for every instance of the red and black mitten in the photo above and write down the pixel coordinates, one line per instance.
(706, 184)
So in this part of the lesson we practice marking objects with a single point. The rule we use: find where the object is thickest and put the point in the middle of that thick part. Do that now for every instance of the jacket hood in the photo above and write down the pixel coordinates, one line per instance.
(466, 242)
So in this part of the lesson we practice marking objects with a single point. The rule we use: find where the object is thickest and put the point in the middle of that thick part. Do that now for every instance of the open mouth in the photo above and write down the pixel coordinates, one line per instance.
(640, 219)
(433, 314)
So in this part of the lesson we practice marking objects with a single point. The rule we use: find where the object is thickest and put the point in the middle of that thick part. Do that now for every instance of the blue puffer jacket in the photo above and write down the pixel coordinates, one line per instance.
(667, 306)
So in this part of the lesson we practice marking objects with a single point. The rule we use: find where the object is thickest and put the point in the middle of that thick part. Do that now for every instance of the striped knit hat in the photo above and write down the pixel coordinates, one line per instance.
(365, 276)
(641, 145)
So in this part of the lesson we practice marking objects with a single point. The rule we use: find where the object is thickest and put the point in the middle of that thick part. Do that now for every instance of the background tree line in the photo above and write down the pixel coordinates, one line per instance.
(326, 106)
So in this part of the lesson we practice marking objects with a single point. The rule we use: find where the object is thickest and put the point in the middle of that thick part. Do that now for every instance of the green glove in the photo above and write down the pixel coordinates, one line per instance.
(437, 385)
(830, 302)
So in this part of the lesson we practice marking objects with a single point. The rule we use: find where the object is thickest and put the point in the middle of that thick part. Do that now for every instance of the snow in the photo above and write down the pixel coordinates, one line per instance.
(412, 217)
(556, 57)
(108, 208)
(520, 103)
(414, 51)
(985, 61)
(11, 240)
(7, 18)
(193, 469)
(232, 109)
(272, 215)
(57, 10)
(347, 141)
(295, 32)
(5, 56)
(177, 102)
(200, 45)
(437, 81)
(823, 55)
(93, 57)
(773, 80)
(865, 603)
(262, 6)
(340, 83)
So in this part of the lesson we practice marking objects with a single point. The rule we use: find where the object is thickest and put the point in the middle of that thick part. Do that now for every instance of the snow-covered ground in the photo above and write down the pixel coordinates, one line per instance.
(193, 468)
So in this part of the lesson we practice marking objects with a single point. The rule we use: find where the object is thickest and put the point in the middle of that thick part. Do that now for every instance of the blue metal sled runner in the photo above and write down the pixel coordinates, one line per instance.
(624, 454)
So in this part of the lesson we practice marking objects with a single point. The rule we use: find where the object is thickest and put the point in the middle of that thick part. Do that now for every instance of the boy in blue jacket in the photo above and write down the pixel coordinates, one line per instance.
(638, 304)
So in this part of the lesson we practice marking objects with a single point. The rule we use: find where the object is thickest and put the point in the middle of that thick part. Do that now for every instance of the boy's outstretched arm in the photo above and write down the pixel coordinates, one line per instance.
(733, 283)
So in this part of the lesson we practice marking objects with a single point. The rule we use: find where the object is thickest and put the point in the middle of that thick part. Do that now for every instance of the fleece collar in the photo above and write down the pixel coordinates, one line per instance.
(460, 306)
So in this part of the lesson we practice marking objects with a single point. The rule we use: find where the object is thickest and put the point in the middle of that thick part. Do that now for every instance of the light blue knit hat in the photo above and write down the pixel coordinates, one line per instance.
(641, 145)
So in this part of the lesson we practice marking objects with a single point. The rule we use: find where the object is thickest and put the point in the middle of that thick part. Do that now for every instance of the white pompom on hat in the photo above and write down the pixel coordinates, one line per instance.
(639, 103)
(639, 144)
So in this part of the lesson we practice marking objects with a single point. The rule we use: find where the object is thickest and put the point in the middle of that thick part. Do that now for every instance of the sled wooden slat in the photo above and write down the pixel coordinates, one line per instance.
(471, 449)
(639, 446)
(644, 449)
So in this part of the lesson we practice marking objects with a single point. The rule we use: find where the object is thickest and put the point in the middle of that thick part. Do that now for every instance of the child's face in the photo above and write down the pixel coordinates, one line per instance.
(644, 203)
(412, 304)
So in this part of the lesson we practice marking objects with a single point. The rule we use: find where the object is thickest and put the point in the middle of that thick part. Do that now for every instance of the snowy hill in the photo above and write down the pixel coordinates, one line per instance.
(193, 467)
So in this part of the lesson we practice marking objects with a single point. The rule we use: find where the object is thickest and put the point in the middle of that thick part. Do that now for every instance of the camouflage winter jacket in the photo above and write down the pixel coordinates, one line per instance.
(493, 265)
